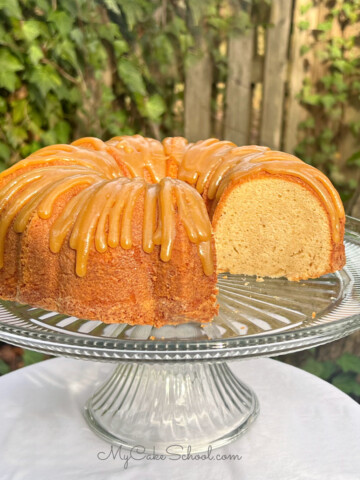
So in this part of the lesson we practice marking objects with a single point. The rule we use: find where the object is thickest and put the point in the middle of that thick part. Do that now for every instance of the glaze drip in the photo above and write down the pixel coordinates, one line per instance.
(142, 157)
(69, 155)
(37, 190)
(105, 180)
(101, 210)
(103, 215)
(212, 166)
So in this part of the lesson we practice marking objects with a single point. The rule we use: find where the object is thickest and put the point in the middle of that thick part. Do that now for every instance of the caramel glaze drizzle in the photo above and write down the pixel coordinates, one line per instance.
(101, 162)
(101, 212)
(212, 166)
(37, 190)
(141, 154)
(107, 219)
(108, 178)
(175, 148)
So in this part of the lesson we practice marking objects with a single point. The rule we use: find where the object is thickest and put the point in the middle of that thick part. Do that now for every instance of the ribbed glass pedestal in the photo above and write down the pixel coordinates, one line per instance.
(169, 408)
(171, 388)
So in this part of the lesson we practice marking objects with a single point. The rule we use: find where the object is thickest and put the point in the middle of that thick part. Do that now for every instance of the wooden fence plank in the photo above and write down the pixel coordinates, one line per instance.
(238, 88)
(198, 84)
(275, 69)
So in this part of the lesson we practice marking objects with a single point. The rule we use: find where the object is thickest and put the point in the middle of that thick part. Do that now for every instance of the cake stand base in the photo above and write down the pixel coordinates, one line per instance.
(171, 408)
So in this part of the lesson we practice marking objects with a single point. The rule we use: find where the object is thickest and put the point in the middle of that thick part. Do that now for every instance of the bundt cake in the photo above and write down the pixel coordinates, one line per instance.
(125, 231)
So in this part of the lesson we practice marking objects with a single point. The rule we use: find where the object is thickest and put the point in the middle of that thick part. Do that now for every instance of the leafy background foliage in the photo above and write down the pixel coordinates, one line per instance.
(332, 94)
(83, 67)
(68, 70)
(343, 373)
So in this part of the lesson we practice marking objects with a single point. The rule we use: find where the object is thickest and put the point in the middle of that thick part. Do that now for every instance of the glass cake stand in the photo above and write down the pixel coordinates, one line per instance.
(172, 386)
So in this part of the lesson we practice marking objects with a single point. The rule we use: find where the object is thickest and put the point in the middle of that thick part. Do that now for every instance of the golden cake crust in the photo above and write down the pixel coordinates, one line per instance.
(138, 247)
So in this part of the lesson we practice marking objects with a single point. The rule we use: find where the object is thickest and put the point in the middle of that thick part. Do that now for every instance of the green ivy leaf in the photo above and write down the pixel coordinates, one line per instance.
(66, 51)
(327, 81)
(218, 23)
(356, 85)
(329, 368)
(74, 95)
(305, 8)
(16, 135)
(77, 35)
(43, 7)
(349, 362)
(8, 80)
(155, 107)
(30, 357)
(328, 100)
(31, 29)
(4, 367)
(107, 97)
(355, 128)
(135, 10)
(347, 383)
(112, 6)
(120, 47)
(335, 113)
(339, 83)
(350, 12)
(62, 130)
(19, 110)
(12, 8)
(312, 99)
(308, 123)
(313, 366)
(3, 105)
(62, 21)
(327, 148)
(109, 31)
(8, 62)
(48, 137)
(304, 24)
(131, 76)
(35, 54)
(80, 7)
(323, 370)
(327, 135)
(335, 51)
(353, 183)
(304, 49)
(5, 152)
(344, 66)
(45, 78)
(237, 23)
(309, 140)
(322, 55)
(29, 148)
(325, 26)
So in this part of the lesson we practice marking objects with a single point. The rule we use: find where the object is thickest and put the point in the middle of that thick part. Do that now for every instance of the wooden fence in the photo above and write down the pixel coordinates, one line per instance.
(265, 74)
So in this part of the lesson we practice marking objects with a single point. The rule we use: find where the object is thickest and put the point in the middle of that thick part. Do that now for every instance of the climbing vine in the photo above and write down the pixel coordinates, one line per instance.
(333, 93)
(90, 67)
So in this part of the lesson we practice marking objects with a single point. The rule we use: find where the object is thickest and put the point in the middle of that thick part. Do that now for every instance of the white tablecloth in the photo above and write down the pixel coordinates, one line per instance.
(307, 429)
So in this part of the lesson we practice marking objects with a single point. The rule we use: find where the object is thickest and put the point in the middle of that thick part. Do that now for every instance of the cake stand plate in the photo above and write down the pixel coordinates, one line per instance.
(172, 388)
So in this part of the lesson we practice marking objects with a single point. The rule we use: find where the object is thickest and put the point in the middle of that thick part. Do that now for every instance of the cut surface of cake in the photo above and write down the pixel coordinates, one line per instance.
(134, 230)
(270, 235)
